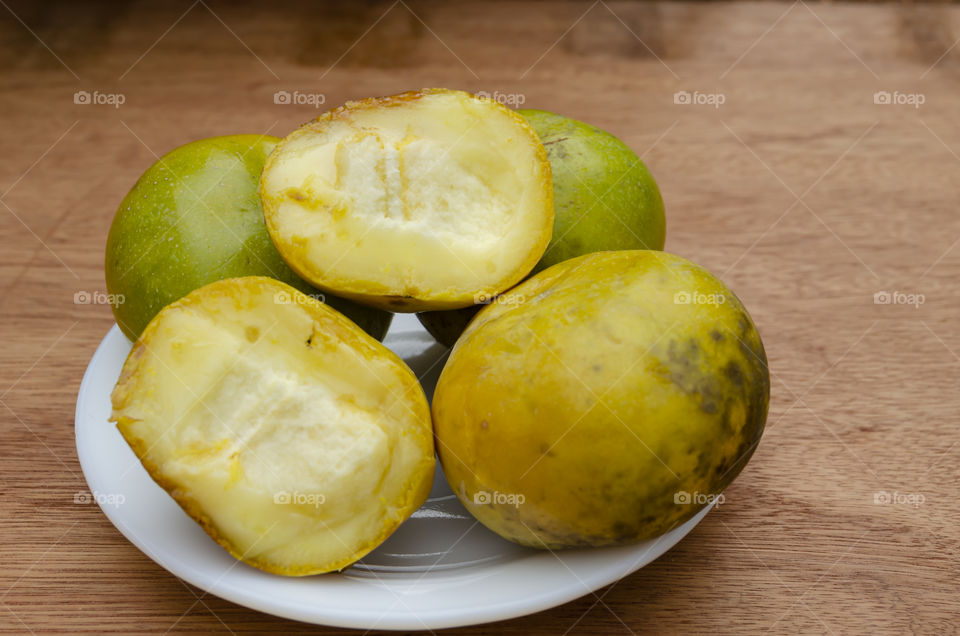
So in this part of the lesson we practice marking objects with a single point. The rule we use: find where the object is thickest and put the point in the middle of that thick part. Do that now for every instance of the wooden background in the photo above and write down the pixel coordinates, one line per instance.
(802, 193)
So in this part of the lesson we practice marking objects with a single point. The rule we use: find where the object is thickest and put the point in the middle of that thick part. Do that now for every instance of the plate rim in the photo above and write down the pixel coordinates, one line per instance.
(381, 619)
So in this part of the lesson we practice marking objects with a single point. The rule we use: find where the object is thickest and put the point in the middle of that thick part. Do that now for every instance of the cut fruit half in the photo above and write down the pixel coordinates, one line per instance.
(423, 200)
(297, 441)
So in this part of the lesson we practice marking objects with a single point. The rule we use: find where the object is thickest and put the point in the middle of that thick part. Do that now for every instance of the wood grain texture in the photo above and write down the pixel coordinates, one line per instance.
(799, 190)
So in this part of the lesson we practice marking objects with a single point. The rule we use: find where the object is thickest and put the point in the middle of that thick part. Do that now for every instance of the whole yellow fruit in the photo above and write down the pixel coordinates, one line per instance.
(603, 401)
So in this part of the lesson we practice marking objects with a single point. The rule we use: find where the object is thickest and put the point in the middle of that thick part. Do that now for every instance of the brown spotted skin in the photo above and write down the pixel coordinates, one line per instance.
(601, 399)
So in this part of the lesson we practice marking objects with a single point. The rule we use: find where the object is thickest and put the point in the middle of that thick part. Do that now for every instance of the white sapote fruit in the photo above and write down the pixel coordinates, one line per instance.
(298, 442)
(423, 200)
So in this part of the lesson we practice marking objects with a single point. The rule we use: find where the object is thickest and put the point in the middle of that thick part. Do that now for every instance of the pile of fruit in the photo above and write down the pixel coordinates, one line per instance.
(599, 391)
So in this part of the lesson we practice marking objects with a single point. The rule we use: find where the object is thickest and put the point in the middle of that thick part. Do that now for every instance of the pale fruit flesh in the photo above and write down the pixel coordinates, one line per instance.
(423, 200)
(298, 442)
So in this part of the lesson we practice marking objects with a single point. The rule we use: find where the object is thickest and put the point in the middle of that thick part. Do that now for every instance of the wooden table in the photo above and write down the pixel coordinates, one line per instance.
(804, 194)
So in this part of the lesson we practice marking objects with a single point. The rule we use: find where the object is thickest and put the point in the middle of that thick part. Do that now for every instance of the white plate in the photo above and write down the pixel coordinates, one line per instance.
(440, 569)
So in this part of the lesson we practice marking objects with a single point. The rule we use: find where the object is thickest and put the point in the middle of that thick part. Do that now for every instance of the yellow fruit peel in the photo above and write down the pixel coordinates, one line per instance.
(294, 439)
(422, 200)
